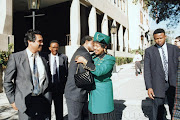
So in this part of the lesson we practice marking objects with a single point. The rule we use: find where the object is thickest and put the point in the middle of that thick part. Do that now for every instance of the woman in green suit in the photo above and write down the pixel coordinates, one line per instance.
(101, 104)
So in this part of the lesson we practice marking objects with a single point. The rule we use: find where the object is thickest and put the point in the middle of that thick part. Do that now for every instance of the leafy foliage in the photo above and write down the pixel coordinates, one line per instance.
(161, 10)
(141, 52)
(4, 56)
(123, 60)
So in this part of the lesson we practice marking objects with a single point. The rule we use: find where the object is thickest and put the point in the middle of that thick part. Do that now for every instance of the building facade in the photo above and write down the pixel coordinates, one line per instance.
(139, 37)
(6, 24)
(69, 20)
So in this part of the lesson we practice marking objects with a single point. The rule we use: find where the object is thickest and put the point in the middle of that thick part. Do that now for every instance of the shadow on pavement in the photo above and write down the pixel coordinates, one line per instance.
(147, 108)
(119, 107)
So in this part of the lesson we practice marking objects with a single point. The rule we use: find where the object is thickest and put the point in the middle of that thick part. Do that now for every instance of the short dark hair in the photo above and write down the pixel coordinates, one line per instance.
(30, 35)
(159, 30)
(83, 40)
(178, 37)
(53, 41)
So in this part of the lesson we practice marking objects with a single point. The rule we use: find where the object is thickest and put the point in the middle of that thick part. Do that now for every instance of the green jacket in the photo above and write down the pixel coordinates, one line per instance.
(101, 99)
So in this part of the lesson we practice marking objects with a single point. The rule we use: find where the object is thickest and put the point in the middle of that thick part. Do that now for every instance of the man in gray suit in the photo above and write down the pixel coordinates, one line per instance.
(160, 69)
(76, 97)
(26, 80)
(59, 70)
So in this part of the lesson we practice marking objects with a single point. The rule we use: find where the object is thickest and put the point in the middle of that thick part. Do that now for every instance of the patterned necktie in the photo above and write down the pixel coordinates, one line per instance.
(55, 72)
(165, 62)
(36, 90)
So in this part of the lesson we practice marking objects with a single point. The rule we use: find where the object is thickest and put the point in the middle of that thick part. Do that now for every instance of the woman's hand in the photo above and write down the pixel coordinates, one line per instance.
(80, 59)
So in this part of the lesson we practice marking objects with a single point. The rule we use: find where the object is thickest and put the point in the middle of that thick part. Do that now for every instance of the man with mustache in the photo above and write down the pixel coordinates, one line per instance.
(26, 80)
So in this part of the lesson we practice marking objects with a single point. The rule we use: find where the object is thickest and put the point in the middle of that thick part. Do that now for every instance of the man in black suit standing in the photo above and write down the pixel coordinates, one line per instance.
(76, 97)
(160, 69)
(26, 80)
(59, 71)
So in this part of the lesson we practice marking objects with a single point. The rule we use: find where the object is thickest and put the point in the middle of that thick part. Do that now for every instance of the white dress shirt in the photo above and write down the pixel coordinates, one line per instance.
(137, 57)
(165, 52)
(52, 62)
(40, 65)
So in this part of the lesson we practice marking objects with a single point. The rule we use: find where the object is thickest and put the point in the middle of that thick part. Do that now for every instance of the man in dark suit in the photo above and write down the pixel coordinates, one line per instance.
(76, 98)
(160, 69)
(26, 80)
(59, 70)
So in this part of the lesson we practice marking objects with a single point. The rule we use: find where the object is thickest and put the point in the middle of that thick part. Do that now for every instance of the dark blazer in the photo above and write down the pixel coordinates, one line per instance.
(63, 71)
(18, 80)
(72, 92)
(153, 69)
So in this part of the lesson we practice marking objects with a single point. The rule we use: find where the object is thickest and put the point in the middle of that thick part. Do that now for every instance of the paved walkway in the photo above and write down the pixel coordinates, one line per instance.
(130, 97)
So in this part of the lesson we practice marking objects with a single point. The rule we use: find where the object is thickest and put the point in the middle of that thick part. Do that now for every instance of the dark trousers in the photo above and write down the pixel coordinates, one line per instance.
(159, 111)
(138, 66)
(58, 104)
(75, 109)
(38, 108)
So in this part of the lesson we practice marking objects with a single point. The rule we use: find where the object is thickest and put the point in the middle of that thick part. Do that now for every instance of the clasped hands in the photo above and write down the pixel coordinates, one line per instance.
(80, 59)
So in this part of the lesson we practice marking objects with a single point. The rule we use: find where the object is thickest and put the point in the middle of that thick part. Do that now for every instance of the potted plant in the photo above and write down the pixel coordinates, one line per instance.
(4, 56)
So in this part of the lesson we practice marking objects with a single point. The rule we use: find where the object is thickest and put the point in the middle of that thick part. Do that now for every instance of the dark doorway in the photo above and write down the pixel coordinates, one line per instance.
(84, 13)
(55, 24)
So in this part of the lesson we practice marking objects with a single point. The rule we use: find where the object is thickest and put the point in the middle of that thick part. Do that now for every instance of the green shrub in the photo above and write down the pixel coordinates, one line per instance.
(4, 56)
(123, 60)
(134, 51)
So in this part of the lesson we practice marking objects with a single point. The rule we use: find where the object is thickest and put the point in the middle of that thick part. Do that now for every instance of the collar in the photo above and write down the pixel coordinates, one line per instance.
(54, 55)
(29, 53)
(101, 55)
(161, 46)
(86, 48)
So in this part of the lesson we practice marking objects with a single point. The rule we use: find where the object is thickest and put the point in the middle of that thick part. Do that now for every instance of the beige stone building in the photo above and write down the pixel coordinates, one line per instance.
(69, 20)
(139, 35)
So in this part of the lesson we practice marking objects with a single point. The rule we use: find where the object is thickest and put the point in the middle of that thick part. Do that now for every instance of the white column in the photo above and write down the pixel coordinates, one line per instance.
(75, 27)
(6, 17)
(6, 27)
(92, 22)
(120, 2)
(104, 25)
(116, 3)
(122, 5)
(114, 37)
(126, 40)
(120, 35)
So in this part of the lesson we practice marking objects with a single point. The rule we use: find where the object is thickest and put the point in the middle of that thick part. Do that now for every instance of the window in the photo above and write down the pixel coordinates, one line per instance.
(147, 22)
(121, 4)
(141, 17)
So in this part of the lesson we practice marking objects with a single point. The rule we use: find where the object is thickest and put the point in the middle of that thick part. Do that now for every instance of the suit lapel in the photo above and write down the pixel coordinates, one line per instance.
(26, 66)
(170, 53)
(60, 59)
(46, 82)
(49, 56)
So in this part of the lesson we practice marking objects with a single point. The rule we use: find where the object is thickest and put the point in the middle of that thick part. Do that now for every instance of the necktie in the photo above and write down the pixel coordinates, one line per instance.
(36, 90)
(55, 72)
(165, 62)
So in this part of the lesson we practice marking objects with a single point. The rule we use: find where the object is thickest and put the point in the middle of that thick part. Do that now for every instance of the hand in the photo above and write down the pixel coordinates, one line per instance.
(14, 106)
(151, 93)
(80, 59)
